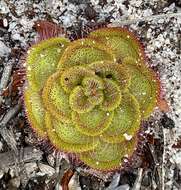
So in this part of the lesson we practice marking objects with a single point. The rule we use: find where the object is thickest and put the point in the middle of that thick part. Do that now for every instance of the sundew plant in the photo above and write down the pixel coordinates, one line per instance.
(89, 96)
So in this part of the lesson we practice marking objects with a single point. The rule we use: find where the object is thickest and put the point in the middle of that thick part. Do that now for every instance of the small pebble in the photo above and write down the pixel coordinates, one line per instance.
(46, 169)
(1, 174)
(5, 22)
(4, 50)
(1, 145)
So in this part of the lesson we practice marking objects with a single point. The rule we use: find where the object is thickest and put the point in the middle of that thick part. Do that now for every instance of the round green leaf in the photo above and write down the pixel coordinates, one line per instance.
(42, 60)
(35, 110)
(126, 120)
(92, 123)
(55, 98)
(66, 138)
(83, 52)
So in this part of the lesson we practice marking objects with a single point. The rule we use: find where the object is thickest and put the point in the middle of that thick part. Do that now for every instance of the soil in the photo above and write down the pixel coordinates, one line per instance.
(27, 162)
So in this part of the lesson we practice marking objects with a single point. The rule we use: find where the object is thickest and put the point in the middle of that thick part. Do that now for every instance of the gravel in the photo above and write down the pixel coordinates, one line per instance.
(161, 37)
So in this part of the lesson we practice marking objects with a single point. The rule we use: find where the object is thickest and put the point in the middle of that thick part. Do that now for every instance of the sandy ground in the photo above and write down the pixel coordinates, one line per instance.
(27, 162)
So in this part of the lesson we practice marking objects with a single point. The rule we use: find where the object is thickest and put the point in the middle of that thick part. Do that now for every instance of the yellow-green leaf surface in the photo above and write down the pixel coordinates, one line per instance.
(43, 59)
(108, 156)
(112, 95)
(126, 120)
(92, 123)
(55, 98)
(113, 71)
(72, 77)
(35, 111)
(123, 42)
(66, 137)
(79, 101)
(144, 86)
(85, 51)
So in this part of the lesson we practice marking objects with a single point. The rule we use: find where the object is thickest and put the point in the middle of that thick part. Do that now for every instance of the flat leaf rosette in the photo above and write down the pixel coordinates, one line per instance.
(89, 96)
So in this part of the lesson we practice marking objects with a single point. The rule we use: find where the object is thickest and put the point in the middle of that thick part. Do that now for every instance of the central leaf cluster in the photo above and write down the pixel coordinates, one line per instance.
(89, 88)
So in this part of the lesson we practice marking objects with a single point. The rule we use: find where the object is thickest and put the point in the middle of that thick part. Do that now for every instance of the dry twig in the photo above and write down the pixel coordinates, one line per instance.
(168, 142)
(115, 182)
(9, 115)
(5, 79)
(137, 184)
(7, 134)
(6, 76)
(66, 179)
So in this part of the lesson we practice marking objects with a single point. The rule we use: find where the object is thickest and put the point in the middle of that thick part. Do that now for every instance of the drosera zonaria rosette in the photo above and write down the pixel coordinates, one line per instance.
(89, 96)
